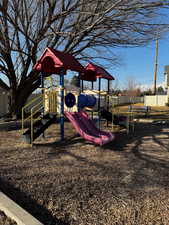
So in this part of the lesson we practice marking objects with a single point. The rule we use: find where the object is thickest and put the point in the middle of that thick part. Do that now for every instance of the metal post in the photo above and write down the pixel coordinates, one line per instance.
(99, 101)
(92, 85)
(42, 79)
(155, 67)
(42, 75)
(108, 92)
(62, 104)
(108, 102)
(92, 89)
(82, 85)
(99, 94)
(79, 77)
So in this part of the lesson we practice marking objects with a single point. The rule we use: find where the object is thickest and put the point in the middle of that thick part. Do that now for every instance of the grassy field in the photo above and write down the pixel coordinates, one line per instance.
(76, 183)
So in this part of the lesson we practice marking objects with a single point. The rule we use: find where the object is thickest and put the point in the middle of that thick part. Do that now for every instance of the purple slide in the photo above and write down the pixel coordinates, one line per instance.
(86, 128)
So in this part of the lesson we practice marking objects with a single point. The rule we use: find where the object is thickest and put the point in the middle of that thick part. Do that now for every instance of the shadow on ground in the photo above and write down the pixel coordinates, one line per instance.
(81, 178)
(29, 204)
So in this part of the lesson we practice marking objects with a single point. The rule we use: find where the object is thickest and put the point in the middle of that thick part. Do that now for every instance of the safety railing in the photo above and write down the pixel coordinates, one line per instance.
(50, 101)
(42, 104)
(37, 101)
(34, 110)
(129, 122)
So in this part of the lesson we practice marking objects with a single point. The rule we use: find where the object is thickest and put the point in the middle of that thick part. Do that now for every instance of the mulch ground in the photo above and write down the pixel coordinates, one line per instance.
(76, 183)
(4, 220)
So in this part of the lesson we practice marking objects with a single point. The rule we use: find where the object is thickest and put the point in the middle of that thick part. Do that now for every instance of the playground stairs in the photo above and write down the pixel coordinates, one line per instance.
(40, 112)
(39, 127)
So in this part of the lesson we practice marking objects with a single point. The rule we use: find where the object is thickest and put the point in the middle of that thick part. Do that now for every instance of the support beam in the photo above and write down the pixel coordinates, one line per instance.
(99, 89)
(62, 104)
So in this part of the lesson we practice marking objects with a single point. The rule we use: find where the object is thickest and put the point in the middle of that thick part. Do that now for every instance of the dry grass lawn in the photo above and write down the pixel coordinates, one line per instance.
(76, 183)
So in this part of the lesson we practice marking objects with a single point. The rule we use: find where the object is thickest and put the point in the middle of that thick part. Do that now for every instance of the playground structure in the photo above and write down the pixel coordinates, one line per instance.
(87, 129)
(91, 74)
(55, 62)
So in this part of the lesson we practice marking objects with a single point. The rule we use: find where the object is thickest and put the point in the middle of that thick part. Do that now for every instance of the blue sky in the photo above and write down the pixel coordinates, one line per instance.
(138, 63)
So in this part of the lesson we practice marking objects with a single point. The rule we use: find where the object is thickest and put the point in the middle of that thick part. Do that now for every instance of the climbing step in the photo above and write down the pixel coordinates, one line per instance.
(39, 127)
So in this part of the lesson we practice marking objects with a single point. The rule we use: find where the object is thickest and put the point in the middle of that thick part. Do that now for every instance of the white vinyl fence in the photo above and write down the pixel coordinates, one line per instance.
(120, 100)
(156, 100)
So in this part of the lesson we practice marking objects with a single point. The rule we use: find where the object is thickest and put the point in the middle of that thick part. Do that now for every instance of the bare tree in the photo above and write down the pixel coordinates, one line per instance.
(85, 28)
(132, 87)
(114, 86)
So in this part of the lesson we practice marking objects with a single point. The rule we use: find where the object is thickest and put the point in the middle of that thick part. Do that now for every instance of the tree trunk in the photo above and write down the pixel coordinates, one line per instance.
(16, 105)
(20, 95)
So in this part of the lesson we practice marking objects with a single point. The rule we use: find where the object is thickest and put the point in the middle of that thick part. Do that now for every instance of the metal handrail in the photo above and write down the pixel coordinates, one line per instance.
(52, 98)
(27, 105)
(33, 120)
(32, 101)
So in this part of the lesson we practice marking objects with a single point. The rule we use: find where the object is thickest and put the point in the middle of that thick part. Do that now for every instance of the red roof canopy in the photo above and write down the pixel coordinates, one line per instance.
(88, 75)
(92, 72)
(99, 71)
(53, 61)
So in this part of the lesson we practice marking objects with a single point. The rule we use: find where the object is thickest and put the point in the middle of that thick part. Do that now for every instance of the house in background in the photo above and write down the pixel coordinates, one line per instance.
(4, 101)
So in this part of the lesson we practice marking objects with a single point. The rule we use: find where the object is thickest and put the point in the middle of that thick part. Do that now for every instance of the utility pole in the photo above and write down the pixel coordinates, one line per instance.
(155, 68)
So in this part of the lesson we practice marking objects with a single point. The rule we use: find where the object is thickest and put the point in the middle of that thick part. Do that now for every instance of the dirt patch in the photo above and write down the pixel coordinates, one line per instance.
(74, 182)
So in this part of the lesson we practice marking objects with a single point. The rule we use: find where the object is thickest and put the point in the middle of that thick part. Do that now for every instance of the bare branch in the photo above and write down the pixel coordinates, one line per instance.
(3, 85)
(84, 28)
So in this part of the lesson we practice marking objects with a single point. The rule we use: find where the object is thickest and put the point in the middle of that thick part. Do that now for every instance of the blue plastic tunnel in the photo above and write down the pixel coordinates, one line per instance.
(86, 101)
